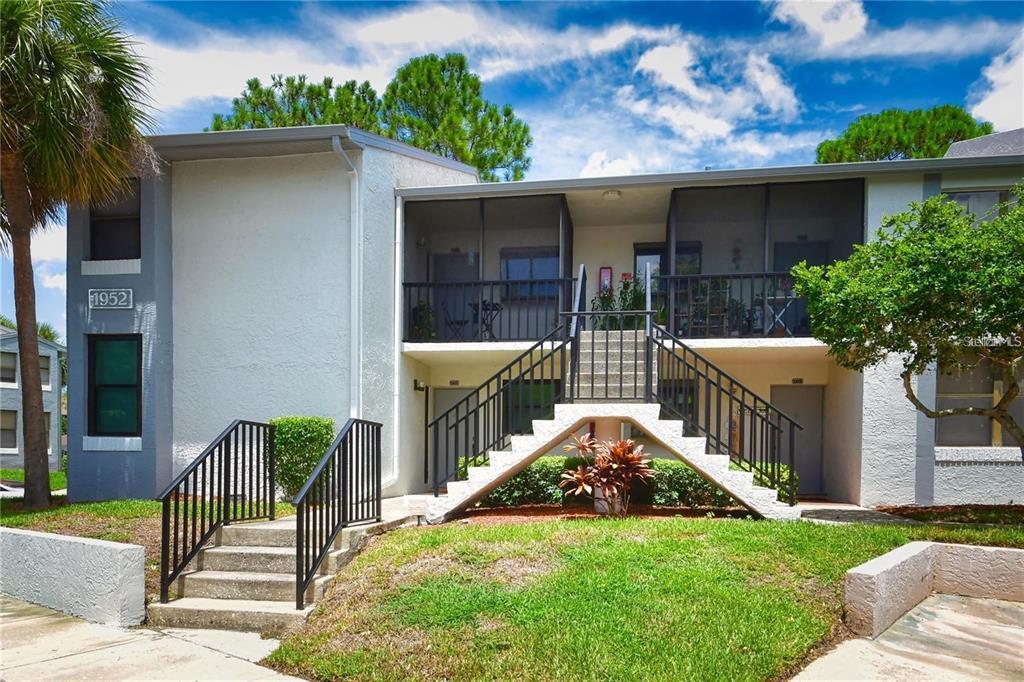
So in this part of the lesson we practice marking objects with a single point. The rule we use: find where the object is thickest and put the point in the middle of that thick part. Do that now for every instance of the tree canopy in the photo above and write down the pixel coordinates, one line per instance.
(934, 287)
(434, 103)
(902, 134)
(74, 100)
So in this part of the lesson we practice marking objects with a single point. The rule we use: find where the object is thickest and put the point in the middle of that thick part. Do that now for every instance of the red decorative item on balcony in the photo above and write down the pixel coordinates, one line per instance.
(604, 279)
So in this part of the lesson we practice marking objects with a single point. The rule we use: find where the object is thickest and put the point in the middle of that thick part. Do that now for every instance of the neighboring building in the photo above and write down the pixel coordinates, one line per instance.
(11, 439)
(323, 270)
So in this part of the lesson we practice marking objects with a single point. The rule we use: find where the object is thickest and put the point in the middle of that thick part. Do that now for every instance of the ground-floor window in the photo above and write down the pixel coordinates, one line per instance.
(8, 429)
(977, 387)
(115, 385)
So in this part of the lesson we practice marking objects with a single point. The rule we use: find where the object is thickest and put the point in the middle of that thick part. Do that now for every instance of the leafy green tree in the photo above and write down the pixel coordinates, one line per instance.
(436, 103)
(933, 288)
(294, 101)
(74, 97)
(901, 134)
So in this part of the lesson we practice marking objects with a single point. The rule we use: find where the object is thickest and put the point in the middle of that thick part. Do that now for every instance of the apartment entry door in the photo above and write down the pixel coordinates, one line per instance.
(805, 404)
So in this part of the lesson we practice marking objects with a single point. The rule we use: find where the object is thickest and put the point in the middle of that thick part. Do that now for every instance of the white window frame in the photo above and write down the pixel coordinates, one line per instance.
(14, 450)
(48, 386)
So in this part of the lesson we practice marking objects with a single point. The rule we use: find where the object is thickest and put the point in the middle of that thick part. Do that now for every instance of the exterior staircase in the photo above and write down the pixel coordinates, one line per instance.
(245, 579)
(550, 434)
(611, 366)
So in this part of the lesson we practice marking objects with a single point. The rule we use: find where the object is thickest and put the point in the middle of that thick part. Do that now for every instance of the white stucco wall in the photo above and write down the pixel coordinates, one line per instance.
(261, 305)
(842, 434)
(610, 245)
(978, 475)
(100, 581)
(889, 421)
(383, 380)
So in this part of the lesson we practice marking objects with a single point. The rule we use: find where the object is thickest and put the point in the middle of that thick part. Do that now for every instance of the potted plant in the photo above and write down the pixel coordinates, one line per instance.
(608, 472)
(424, 324)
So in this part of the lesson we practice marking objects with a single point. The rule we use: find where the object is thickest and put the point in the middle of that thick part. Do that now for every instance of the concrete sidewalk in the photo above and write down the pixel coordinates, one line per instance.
(945, 637)
(37, 643)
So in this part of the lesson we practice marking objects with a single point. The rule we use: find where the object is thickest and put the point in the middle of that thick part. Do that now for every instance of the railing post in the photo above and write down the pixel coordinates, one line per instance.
(273, 472)
(228, 501)
(300, 573)
(792, 438)
(377, 430)
(165, 545)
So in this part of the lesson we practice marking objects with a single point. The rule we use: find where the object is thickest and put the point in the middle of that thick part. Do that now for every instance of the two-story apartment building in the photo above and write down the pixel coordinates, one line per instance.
(11, 445)
(327, 271)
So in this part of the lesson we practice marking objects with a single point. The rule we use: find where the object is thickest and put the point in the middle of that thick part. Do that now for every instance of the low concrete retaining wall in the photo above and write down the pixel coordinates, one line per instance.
(880, 591)
(100, 581)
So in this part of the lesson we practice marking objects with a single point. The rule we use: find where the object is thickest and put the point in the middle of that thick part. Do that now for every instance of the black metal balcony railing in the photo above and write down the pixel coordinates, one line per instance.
(496, 310)
(720, 306)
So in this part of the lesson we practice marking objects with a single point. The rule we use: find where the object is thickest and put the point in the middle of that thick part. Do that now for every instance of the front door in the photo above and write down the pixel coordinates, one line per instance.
(805, 405)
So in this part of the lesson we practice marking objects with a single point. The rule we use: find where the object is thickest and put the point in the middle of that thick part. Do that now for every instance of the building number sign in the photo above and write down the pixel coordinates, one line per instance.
(111, 299)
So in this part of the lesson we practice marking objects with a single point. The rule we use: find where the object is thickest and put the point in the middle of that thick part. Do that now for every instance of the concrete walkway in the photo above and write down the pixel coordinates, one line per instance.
(37, 643)
(945, 637)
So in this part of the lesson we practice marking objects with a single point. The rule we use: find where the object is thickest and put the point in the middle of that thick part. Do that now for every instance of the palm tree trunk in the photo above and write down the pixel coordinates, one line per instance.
(20, 221)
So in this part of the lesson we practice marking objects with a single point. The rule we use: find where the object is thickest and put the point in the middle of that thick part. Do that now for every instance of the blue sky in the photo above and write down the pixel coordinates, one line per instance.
(607, 89)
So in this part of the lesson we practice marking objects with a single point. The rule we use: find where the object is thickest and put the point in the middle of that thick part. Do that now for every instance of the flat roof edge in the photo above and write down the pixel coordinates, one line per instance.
(832, 170)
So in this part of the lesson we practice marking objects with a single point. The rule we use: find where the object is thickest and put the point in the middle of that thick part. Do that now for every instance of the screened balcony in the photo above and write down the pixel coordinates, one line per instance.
(486, 269)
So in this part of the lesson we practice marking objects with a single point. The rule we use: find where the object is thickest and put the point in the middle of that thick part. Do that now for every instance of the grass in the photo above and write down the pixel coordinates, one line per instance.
(709, 599)
(58, 479)
(1008, 514)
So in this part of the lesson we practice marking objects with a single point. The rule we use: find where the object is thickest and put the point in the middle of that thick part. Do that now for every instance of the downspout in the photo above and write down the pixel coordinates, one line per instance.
(355, 279)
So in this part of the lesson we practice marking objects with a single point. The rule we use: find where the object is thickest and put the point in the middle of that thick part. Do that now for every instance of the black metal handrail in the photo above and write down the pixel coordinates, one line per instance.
(734, 304)
(488, 310)
(344, 489)
(233, 479)
(709, 401)
(527, 388)
(611, 356)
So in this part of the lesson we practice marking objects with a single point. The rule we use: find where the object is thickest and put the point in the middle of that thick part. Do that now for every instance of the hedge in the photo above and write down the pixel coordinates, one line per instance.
(299, 444)
(674, 485)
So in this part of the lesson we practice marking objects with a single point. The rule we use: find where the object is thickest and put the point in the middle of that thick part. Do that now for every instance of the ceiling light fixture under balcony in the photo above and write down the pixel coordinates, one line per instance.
(612, 194)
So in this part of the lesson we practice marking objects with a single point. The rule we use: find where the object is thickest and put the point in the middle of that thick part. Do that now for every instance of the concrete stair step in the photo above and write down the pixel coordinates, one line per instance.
(248, 559)
(250, 535)
(246, 585)
(244, 615)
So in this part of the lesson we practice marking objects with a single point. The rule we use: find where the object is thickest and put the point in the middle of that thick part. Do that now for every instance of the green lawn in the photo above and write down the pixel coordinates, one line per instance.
(58, 479)
(659, 599)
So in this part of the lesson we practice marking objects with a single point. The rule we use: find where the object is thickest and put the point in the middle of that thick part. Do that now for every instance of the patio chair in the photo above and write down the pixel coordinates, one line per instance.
(456, 327)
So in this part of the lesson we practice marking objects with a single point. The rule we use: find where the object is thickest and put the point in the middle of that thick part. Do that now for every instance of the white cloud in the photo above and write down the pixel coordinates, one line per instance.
(999, 96)
(600, 165)
(832, 23)
(841, 78)
(50, 244)
(674, 66)
(776, 93)
(757, 148)
(52, 279)
(943, 40)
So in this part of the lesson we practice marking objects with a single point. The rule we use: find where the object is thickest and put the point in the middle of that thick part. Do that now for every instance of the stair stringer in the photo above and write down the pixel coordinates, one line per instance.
(548, 434)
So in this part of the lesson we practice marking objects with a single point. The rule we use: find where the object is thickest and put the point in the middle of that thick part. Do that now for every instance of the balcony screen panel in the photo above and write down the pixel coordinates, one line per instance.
(727, 222)
(814, 221)
(520, 224)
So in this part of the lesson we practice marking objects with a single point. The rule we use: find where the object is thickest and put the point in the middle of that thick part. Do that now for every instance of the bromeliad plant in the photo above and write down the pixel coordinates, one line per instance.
(608, 472)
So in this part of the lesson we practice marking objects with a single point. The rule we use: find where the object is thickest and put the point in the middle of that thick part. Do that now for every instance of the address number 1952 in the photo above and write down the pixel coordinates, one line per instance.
(110, 299)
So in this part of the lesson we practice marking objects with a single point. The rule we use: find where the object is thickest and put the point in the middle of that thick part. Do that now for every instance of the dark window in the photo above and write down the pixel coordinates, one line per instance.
(531, 263)
(115, 229)
(8, 367)
(977, 387)
(44, 370)
(115, 385)
(688, 257)
(8, 429)
(982, 205)
(529, 400)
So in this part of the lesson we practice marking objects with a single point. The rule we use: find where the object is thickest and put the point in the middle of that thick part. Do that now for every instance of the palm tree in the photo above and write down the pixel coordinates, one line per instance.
(72, 102)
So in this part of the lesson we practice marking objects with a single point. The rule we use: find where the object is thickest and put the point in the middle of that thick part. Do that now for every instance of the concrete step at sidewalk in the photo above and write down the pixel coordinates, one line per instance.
(248, 559)
(247, 585)
(244, 615)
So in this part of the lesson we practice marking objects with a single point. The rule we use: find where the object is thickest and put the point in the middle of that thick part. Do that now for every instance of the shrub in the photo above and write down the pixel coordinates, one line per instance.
(674, 485)
(299, 444)
(615, 468)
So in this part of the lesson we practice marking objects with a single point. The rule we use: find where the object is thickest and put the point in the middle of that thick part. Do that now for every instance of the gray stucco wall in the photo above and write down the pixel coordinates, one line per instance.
(10, 399)
(119, 468)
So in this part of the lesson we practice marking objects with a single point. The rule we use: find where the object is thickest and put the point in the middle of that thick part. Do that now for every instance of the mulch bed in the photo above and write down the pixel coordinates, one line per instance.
(995, 514)
(553, 512)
